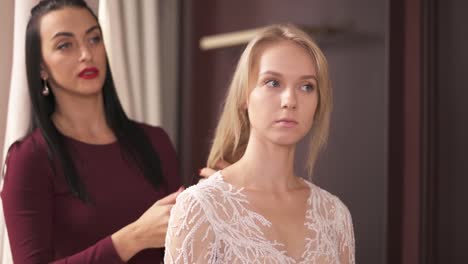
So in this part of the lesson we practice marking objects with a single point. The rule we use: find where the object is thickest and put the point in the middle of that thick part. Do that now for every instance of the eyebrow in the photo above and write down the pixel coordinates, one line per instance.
(303, 77)
(69, 34)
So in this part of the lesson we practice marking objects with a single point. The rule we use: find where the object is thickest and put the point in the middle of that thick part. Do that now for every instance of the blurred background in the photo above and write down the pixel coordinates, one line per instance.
(397, 150)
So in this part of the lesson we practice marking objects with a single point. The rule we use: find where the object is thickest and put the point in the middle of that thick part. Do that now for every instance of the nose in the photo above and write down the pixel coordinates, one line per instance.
(288, 99)
(86, 53)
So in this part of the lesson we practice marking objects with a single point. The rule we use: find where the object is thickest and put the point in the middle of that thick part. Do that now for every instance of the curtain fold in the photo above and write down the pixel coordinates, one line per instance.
(169, 27)
(18, 110)
(143, 56)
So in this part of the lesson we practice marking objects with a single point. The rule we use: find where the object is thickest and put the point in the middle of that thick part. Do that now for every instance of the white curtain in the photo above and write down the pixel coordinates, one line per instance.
(141, 41)
(17, 107)
(140, 37)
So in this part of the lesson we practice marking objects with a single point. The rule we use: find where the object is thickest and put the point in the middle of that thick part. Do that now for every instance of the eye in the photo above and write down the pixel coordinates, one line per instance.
(272, 83)
(308, 88)
(63, 46)
(95, 40)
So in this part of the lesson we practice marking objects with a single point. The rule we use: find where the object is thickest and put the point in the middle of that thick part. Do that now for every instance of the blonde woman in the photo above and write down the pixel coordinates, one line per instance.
(258, 210)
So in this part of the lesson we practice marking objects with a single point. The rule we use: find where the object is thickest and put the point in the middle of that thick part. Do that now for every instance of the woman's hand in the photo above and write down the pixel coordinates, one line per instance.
(207, 172)
(149, 231)
(153, 223)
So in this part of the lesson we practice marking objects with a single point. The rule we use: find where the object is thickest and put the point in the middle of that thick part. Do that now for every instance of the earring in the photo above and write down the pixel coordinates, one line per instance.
(45, 90)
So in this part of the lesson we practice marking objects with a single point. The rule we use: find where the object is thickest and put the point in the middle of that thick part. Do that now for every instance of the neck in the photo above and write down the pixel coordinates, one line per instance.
(82, 118)
(265, 166)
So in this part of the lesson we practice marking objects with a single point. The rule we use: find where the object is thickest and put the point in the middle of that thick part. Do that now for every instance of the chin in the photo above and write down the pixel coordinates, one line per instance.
(286, 140)
(86, 92)
(91, 88)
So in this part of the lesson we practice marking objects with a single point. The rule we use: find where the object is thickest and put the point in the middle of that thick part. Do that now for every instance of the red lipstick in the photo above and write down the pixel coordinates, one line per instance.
(89, 73)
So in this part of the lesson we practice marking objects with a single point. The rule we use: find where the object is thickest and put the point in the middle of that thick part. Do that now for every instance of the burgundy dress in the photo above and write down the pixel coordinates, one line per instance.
(46, 223)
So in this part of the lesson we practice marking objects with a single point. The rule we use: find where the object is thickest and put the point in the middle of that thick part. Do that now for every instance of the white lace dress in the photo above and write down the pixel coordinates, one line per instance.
(212, 223)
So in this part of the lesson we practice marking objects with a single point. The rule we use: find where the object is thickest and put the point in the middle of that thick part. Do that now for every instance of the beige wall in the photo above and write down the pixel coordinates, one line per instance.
(6, 47)
(94, 4)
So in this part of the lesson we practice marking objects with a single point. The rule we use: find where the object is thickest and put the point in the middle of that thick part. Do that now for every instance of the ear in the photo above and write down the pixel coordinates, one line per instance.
(245, 105)
(44, 74)
(244, 109)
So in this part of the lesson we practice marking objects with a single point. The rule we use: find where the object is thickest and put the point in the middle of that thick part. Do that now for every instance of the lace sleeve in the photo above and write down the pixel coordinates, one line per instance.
(190, 237)
(346, 235)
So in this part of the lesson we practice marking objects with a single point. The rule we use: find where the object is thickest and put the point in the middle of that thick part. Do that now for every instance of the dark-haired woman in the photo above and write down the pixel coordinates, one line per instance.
(77, 189)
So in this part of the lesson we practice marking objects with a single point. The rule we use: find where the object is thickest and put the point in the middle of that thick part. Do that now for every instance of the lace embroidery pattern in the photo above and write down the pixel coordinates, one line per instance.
(211, 223)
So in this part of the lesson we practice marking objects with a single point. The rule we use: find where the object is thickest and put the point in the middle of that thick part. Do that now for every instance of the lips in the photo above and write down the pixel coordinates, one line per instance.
(89, 73)
(286, 122)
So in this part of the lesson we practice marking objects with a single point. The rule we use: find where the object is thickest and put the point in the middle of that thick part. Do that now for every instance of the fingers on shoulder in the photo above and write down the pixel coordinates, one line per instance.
(186, 207)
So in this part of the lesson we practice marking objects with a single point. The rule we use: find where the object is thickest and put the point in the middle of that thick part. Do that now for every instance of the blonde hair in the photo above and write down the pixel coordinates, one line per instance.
(233, 130)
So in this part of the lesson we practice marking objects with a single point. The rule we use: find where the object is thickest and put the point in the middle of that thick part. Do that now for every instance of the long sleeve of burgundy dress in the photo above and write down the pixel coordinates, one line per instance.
(47, 224)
